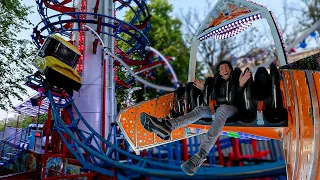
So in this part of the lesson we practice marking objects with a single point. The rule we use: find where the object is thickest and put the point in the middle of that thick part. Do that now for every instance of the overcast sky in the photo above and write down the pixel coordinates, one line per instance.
(179, 5)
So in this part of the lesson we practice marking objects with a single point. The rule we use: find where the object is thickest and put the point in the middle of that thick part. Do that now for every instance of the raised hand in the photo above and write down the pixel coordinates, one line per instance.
(199, 84)
(244, 78)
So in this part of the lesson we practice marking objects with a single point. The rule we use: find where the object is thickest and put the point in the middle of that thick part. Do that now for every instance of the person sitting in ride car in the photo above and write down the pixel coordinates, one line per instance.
(225, 86)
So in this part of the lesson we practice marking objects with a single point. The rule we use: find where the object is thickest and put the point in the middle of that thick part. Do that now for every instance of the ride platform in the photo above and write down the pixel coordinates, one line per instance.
(300, 91)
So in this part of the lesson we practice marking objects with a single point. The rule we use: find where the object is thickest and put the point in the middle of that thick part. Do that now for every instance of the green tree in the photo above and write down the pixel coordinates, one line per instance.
(25, 121)
(15, 53)
(165, 36)
(13, 121)
(2, 121)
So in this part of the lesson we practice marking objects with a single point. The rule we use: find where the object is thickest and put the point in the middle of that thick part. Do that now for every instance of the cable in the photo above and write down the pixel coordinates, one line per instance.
(164, 88)
(166, 61)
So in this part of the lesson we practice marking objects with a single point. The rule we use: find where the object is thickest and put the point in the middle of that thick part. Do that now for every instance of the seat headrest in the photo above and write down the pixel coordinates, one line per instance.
(274, 72)
(262, 85)
(262, 76)
(250, 80)
(237, 70)
(209, 81)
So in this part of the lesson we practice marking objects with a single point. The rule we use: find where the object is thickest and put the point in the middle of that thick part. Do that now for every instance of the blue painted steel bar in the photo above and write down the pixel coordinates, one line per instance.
(159, 153)
(273, 152)
(116, 143)
(178, 152)
(196, 143)
(11, 148)
(141, 15)
(210, 157)
(190, 144)
(141, 12)
(12, 136)
(170, 154)
(123, 4)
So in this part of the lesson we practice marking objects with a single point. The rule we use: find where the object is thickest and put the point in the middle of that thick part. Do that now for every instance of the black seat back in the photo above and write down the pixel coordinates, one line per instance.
(209, 87)
(196, 97)
(261, 87)
(179, 106)
(236, 73)
(245, 97)
(276, 91)
(275, 112)
(187, 96)
(193, 97)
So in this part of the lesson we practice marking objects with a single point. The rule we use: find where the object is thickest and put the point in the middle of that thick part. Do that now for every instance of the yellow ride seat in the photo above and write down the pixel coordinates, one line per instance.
(60, 74)
(57, 59)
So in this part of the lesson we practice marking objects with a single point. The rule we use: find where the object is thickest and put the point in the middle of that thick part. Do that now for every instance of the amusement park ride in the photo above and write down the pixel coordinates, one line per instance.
(76, 87)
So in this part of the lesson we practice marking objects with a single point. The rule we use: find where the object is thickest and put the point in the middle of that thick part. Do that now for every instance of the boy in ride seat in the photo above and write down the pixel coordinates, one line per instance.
(226, 87)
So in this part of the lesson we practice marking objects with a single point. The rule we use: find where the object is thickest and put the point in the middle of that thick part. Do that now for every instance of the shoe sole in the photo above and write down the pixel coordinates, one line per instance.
(183, 169)
(188, 170)
(151, 126)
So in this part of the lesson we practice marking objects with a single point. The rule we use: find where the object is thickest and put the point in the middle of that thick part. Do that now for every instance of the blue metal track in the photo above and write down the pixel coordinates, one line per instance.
(141, 13)
(124, 31)
(43, 12)
(141, 17)
(134, 38)
(89, 142)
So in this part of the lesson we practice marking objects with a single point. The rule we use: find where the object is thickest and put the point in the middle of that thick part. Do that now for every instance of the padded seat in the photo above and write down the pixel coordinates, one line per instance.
(60, 74)
(193, 97)
(246, 110)
(197, 99)
(265, 87)
(276, 113)
(209, 87)
(178, 109)
(187, 96)
(262, 87)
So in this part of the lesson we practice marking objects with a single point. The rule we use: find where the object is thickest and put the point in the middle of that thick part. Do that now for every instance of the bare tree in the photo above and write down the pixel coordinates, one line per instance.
(307, 12)
(250, 41)
(288, 23)
(213, 51)
(289, 27)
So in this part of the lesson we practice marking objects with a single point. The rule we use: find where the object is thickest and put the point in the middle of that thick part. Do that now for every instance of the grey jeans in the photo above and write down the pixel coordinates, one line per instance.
(210, 138)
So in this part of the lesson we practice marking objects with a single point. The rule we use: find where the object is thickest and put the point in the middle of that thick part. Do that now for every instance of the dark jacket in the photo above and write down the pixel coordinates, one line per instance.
(226, 91)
